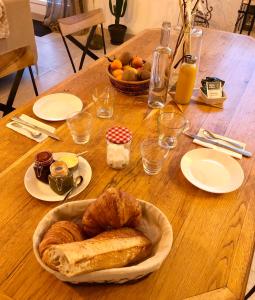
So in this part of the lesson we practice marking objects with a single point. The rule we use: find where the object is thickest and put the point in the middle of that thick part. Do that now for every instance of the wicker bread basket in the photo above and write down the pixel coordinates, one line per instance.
(132, 88)
(154, 225)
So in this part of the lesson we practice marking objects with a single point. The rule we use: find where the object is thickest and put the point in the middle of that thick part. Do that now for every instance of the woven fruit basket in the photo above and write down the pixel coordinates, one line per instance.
(154, 225)
(133, 88)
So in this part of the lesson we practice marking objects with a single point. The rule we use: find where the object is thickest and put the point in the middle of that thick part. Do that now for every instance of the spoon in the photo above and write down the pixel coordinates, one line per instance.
(77, 182)
(34, 134)
(210, 135)
(81, 153)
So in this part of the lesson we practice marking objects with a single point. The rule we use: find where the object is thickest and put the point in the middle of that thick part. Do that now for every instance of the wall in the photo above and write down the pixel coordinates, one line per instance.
(143, 14)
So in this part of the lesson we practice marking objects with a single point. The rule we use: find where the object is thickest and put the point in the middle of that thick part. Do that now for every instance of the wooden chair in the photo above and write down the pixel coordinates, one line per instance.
(18, 51)
(73, 24)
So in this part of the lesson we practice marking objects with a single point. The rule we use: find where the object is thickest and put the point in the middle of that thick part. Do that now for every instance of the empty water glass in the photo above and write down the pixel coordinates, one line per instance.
(104, 100)
(170, 126)
(153, 156)
(80, 124)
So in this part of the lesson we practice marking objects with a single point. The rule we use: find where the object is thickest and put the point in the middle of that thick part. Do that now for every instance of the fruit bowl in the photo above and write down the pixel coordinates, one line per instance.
(132, 88)
(129, 74)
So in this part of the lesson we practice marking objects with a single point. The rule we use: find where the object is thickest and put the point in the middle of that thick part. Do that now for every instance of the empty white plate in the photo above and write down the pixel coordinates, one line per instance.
(42, 191)
(212, 171)
(57, 107)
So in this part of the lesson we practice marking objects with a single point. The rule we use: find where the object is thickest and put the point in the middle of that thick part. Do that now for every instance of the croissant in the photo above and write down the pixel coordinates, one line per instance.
(112, 210)
(60, 232)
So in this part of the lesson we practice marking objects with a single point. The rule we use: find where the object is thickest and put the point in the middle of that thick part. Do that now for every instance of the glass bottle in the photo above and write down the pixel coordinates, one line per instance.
(186, 80)
(160, 71)
(196, 45)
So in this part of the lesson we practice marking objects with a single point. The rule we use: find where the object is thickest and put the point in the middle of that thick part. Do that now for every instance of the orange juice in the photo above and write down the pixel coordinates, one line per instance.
(186, 80)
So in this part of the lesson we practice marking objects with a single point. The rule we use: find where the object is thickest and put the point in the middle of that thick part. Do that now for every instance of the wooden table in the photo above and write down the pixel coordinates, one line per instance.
(213, 234)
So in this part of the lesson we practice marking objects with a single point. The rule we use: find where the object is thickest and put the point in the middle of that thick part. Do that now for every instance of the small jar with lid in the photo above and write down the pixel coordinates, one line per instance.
(60, 178)
(118, 141)
(43, 161)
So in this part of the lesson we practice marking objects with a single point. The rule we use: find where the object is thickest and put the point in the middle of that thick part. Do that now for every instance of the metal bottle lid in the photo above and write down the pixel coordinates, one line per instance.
(190, 59)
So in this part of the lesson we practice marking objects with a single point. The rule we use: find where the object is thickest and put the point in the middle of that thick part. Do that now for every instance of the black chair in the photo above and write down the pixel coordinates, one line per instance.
(246, 17)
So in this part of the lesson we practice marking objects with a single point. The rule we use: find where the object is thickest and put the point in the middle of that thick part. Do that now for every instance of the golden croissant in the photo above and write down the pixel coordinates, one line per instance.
(112, 210)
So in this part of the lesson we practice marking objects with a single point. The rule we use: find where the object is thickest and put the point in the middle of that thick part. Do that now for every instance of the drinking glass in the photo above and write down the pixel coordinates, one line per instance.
(104, 100)
(170, 126)
(153, 156)
(80, 124)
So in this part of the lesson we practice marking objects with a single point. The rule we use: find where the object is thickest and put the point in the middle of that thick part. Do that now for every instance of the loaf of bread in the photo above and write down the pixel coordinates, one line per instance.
(110, 249)
(112, 210)
(59, 233)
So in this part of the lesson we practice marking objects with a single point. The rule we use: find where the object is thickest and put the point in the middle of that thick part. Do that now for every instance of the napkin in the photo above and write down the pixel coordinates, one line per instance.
(30, 120)
(229, 152)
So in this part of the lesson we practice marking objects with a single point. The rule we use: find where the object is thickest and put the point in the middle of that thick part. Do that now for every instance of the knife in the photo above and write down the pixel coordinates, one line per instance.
(202, 139)
(42, 130)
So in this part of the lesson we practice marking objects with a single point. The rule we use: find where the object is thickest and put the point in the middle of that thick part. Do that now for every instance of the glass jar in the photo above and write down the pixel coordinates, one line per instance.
(60, 178)
(118, 141)
(43, 161)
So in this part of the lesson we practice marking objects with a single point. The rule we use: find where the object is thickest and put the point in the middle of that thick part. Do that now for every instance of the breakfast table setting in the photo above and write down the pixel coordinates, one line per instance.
(185, 204)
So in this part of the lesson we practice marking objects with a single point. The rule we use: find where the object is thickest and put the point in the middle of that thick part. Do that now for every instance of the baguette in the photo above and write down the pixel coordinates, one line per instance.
(110, 249)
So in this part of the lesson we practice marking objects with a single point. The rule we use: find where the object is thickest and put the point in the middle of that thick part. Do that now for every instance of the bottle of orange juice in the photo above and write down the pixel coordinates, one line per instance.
(186, 80)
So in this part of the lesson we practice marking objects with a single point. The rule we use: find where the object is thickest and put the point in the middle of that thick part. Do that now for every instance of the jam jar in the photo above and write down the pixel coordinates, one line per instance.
(60, 178)
(43, 160)
(118, 141)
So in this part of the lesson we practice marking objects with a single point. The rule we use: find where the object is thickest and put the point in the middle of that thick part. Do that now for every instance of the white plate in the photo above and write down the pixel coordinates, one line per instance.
(57, 107)
(42, 191)
(212, 171)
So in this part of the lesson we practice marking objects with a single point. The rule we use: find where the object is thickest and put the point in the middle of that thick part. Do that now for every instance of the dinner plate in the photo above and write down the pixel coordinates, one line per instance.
(57, 107)
(212, 171)
(42, 191)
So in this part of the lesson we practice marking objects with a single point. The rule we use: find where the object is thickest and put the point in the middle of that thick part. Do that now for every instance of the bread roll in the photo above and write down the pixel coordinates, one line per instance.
(112, 210)
(110, 249)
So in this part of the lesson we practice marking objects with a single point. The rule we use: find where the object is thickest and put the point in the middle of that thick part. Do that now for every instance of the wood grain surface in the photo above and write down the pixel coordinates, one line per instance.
(213, 234)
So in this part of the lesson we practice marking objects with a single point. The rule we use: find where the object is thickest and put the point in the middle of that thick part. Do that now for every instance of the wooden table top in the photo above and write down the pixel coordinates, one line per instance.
(213, 234)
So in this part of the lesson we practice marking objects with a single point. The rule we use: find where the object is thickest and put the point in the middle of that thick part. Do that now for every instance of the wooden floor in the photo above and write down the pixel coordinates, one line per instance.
(53, 67)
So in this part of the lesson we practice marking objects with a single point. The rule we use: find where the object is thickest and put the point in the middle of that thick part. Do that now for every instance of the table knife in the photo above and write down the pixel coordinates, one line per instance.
(231, 148)
(42, 130)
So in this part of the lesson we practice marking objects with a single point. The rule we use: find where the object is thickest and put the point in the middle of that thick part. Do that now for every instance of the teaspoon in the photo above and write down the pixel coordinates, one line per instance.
(77, 182)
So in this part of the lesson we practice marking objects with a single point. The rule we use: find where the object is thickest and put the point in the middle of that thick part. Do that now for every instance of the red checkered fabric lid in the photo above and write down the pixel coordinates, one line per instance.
(118, 135)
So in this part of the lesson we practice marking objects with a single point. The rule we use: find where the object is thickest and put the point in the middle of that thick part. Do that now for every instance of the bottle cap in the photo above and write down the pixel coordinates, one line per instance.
(59, 168)
(118, 135)
(43, 158)
(190, 59)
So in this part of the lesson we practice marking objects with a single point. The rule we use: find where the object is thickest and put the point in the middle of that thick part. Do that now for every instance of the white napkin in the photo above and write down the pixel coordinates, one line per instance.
(229, 152)
(26, 118)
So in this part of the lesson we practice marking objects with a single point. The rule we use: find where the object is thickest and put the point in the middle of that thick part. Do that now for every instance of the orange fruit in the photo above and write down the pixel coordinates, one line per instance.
(116, 64)
(137, 62)
(117, 73)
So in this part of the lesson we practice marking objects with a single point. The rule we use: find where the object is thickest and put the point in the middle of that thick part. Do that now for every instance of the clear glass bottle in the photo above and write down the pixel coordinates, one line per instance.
(160, 71)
